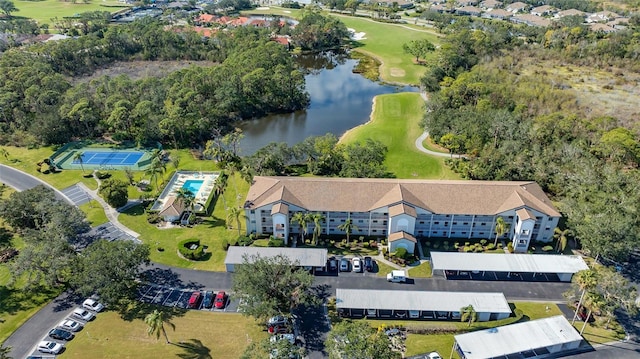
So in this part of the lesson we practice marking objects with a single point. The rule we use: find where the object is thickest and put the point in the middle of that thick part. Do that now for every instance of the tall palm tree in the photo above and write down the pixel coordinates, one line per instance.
(157, 168)
(594, 302)
(155, 322)
(468, 314)
(586, 281)
(501, 228)
(234, 215)
(348, 227)
(317, 219)
(562, 237)
(220, 186)
(78, 157)
(302, 219)
(186, 197)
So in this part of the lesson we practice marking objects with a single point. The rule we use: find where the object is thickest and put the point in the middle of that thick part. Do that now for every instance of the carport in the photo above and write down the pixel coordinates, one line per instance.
(542, 338)
(522, 267)
(308, 258)
(381, 304)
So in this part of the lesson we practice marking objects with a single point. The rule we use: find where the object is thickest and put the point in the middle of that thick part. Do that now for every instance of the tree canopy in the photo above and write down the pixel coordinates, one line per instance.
(357, 339)
(268, 286)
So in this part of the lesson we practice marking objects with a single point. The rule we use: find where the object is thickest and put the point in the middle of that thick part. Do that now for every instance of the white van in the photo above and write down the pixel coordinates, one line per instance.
(397, 276)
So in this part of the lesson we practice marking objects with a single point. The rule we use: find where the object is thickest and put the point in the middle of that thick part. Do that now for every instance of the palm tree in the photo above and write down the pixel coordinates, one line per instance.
(158, 167)
(186, 197)
(594, 302)
(348, 227)
(78, 157)
(234, 215)
(301, 219)
(468, 314)
(317, 219)
(501, 228)
(561, 236)
(4, 153)
(219, 187)
(586, 281)
(4, 352)
(156, 320)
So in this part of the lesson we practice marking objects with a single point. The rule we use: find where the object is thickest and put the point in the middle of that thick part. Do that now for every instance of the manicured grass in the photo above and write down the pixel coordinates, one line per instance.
(384, 41)
(596, 335)
(45, 10)
(421, 271)
(395, 123)
(211, 232)
(197, 334)
(420, 344)
(383, 269)
(95, 213)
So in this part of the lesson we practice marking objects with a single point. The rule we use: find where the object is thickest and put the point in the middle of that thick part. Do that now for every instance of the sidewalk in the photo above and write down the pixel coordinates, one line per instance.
(112, 213)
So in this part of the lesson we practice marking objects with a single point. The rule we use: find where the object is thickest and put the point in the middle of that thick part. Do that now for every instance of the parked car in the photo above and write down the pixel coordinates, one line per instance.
(433, 355)
(46, 346)
(207, 300)
(397, 276)
(60, 334)
(278, 337)
(221, 300)
(333, 264)
(279, 329)
(356, 264)
(344, 265)
(277, 320)
(583, 313)
(83, 314)
(368, 264)
(70, 324)
(194, 300)
(92, 305)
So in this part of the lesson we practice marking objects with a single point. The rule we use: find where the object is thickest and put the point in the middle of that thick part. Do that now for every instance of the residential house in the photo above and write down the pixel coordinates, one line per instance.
(204, 31)
(401, 4)
(439, 8)
(420, 208)
(531, 20)
(205, 19)
(620, 23)
(517, 7)
(602, 16)
(490, 4)
(497, 14)
(461, 3)
(171, 210)
(543, 10)
(604, 28)
(570, 12)
(469, 11)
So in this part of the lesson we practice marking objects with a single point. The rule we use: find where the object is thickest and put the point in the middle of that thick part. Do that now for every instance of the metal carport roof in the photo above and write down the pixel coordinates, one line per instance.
(311, 257)
(498, 262)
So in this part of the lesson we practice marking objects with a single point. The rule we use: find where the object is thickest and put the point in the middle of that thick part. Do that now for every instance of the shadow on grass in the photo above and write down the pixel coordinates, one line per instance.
(135, 211)
(193, 349)
(213, 222)
(14, 300)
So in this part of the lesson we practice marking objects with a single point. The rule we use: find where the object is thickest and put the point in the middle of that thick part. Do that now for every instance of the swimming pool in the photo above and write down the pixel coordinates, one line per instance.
(193, 185)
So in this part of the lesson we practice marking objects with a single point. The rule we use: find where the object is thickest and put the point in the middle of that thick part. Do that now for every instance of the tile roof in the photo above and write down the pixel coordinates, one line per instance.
(367, 194)
(523, 213)
(280, 208)
(396, 236)
(172, 207)
(402, 208)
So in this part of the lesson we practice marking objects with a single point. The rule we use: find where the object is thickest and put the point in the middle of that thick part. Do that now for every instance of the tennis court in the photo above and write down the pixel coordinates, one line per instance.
(102, 159)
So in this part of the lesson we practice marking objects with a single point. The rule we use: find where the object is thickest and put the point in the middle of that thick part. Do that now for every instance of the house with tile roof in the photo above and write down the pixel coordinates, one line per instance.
(390, 208)
(570, 12)
(490, 4)
(517, 7)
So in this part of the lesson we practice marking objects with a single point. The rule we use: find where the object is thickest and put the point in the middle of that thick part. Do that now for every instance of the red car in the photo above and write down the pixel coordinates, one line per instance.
(194, 300)
(221, 300)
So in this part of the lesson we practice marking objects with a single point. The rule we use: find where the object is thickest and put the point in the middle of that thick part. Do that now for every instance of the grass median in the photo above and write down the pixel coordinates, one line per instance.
(46, 10)
(394, 122)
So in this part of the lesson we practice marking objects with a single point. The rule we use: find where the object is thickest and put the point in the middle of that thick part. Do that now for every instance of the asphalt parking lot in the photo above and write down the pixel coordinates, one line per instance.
(178, 298)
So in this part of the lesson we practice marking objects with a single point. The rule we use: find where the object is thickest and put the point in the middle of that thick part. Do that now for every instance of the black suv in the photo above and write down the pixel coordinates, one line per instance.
(368, 264)
(60, 334)
(207, 302)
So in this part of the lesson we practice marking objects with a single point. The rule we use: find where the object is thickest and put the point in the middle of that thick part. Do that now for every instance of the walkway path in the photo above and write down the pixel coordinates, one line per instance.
(112, 213)
(420, 147)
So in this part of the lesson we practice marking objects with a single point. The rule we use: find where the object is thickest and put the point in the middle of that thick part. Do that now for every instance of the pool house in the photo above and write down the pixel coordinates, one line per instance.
(201, 184)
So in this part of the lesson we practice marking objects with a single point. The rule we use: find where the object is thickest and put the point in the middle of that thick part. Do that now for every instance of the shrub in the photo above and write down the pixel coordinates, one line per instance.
(456, 245)
(510, 247)
(436, 245)
(490, 246)
(115, 192)
(103, 174)
(383, 242)
(547, 248)
(365, 245)
(184, 247)
(225, 244)
(385, 251)
(483, 242)
(467, 249)
(332, 243)
(307, 241)
(467, 244)
(275, 242)
(400, 253)
(233, 242)
(478, 249)
(153, 218)
(427, 243)
(244, 241)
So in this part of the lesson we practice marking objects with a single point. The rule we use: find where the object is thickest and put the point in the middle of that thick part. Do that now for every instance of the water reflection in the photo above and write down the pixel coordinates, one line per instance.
(340, 100)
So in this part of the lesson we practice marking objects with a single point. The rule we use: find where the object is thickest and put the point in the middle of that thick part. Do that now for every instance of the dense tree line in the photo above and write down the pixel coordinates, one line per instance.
(516, 125)
(317, 32)
(38, 104)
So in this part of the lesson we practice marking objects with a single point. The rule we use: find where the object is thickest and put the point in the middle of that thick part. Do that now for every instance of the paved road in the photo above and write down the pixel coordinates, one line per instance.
(614, 350)
(21, 181)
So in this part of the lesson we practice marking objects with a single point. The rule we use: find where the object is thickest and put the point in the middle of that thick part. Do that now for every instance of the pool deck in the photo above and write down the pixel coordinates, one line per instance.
(177, 181)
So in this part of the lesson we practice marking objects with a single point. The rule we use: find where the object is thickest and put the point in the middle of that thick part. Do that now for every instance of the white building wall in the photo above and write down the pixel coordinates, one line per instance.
(523, 235)
(402, 222)
(280, 226)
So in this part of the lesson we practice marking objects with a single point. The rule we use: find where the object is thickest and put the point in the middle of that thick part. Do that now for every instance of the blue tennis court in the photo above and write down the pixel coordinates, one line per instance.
(109, 158)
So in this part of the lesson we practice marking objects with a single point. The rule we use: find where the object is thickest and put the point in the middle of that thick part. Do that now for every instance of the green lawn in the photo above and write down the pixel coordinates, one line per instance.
(395, 123)
(383, 269)
(95, 213)
(421, 271)
(420, 344)
(384, 41)
(43, 11)
(197, 334)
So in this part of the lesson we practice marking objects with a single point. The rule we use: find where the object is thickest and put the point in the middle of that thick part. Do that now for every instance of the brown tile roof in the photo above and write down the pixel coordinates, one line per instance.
(206, 18)
(280, 208)
(523, 214)
(396, 236)
(402, 208)
(570, 12)
(367, 194)
(171, 207)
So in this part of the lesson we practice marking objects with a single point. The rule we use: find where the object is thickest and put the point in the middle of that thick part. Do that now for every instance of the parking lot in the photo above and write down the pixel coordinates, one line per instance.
(349, 269)
(502, 276)
(179, 298)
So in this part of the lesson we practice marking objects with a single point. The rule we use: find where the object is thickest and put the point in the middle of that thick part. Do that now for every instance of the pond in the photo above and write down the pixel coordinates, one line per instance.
(340, 100)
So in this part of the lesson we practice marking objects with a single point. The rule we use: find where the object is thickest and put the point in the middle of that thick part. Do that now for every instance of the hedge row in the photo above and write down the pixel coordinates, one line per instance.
(193, 254)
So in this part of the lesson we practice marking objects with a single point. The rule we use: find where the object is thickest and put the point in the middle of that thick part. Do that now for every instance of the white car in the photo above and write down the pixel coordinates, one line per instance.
(46, 346)
(92, 305)
(433, 355)
(278, 337)
(356, 264)
(70, 324)
(83, 314)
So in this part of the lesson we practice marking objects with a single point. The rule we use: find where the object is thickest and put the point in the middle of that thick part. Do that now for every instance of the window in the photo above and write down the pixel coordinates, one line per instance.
(360, 221)
(384, 222)
(447, 216)
(385, 214)
(264, 219)
(455, 223)
(375, 221)
(435, 232)
(453, 232)
(375, 231)
(547, 228)
(481, 233)
(466, 223)
(436, 222)
(446, 224)
(421, 222)
(525, 232)
(483, 224)
(510, 217)
(332, 220)
(550, 219)
(253, 221)
(522, 241)
(464, 232)
(252, 211)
